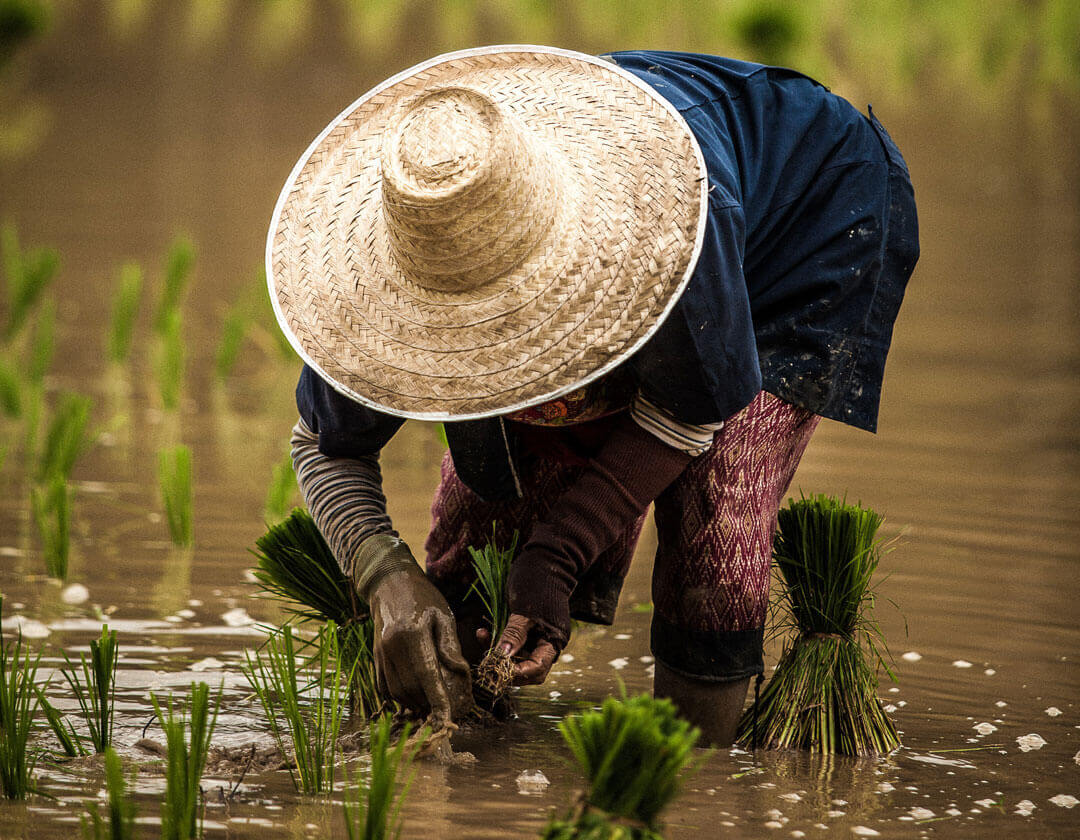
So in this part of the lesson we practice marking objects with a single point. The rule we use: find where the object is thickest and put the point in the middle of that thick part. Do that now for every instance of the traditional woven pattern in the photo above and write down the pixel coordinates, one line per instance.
(486, 231)
(715, 525)
(460, 519)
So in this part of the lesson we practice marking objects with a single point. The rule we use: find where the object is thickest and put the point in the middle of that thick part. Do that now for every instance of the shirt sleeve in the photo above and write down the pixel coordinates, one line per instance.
(344, 496)
(693, 439)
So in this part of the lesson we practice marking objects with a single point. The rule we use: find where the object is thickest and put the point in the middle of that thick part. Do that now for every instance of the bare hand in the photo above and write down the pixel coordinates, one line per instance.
(533, 664)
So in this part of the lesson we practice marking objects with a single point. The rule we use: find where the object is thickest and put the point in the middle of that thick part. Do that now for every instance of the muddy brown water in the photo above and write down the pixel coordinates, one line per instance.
(977, 462)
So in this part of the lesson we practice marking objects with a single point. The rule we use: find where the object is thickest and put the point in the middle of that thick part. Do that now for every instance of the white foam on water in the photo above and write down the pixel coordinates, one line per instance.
(911, 656)
(210, 663)
(921, 813)
(989, 672)
(1024, 807)
(984, 728)
(864, 831)
(961, 663)
(566, 657)
(31, 628)
(75, 594)
(791, 797)
(1001, 704)
(619, 663)
(986, 803)
(622, 637)
(1053, 711)
(1065, 800)
(237, 617)
(531, 781)
(1027, 743)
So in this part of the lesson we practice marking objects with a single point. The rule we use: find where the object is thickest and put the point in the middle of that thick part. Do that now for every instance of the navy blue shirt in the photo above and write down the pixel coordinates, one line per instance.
(810, 238)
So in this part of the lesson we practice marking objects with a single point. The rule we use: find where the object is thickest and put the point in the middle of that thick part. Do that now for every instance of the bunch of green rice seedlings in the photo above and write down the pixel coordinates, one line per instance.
(187, 739)
(373, 808)
(283, 489)
(174, 479)
(50, 508)
(125, 309)
(297, 566)
(95, 689)
(302, 702)
(65, 438)
(233, 332)
(27, 274)
(492, 566)
(634, 753)
(823, 695)
(120, 822)
(170, 362)
(70, 741)
(18, 705)
(178, 266)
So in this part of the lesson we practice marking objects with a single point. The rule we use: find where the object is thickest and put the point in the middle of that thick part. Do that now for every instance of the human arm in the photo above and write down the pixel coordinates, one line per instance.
(416, 649)
(646, 450)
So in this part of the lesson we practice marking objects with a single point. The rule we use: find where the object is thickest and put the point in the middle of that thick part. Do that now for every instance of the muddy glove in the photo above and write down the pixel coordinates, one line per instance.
(631, 469)
(417, 656)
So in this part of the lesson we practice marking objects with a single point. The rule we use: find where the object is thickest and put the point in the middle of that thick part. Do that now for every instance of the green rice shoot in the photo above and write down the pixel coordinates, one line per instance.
(69, 739)
(65, 438)
(492, 567)
(50, 508)
(302, 702)
(187, 738)
(18, 705)
(95, 687)
(178, 265)
(125, 309)
(634, 753)
(11, 390)
(372, 808)
(233, 332)
(282, 491)
(174, 479)
(27, 274)
(120, 821)
(297, 567)
(823, 695)
(43, 345)
(170, 360)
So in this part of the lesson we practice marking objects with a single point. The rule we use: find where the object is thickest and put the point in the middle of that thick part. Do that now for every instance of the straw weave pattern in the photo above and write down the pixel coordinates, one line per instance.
(486, 233)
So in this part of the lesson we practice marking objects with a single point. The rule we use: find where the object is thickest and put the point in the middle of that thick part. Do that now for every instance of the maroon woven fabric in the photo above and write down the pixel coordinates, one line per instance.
(715, 524)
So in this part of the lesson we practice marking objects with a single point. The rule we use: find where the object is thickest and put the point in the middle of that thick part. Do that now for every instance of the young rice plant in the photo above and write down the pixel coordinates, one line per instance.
(373, 808)
(120, 821)
(26, 274)
(18, 705)
(187, 738)
(633, 753)
(95, 689)
(50, 508)
(492, 567)
(823, 695)
(174, 479)
(302, 704)
(125, 308)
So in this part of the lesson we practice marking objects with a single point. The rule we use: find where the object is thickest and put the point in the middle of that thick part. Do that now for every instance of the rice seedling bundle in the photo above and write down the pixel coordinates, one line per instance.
(125, 308)
(297, 566)
(634, 753)
(170, 362)
(307, 699)
(27, 274)
(18, 705)
(65, 438)
(120, 822)
(187, 738)
(373, 808)
(95, 689)
(178, 265)
(823, 695)
(50, 508)
(174, 479)
(492, 566)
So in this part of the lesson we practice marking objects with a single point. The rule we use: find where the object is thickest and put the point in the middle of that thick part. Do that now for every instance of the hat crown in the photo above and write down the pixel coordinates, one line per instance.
(467, 191)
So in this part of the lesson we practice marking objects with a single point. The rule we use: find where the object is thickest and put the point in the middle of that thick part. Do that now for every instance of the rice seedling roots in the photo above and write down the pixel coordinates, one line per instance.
(492, 680)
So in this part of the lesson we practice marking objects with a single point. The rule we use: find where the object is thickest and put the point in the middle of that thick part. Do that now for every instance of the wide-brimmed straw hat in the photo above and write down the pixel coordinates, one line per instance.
(485, 231)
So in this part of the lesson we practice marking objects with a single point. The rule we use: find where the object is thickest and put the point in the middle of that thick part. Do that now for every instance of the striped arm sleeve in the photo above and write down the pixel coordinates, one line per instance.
(344, 495)
(688, 438)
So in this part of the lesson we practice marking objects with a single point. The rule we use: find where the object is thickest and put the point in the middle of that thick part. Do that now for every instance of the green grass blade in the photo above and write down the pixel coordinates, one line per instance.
(65, 438)
(18, 706)
(178, 266)
(170, 362)
(282, 491)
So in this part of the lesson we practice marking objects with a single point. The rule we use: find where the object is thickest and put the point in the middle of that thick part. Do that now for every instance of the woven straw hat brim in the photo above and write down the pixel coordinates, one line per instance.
(621, 187)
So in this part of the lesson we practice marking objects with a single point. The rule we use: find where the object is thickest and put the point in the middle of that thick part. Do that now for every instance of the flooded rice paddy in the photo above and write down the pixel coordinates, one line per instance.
(977, 465)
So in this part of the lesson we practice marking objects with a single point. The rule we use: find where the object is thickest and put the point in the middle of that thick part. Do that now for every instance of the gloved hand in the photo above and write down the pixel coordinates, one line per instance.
(417, 657)
(631, 469)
